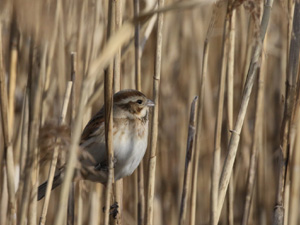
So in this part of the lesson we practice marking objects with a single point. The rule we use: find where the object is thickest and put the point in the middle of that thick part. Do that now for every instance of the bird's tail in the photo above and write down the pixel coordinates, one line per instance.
(42, 188)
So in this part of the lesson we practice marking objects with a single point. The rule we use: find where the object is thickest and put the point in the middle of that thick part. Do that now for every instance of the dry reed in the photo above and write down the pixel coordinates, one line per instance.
(188, 161)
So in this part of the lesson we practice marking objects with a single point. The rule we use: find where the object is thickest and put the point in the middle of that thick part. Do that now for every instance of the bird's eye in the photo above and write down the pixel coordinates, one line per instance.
(139, 101)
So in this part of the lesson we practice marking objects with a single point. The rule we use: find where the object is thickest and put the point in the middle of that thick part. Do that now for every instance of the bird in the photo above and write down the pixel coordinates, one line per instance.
(130, 139)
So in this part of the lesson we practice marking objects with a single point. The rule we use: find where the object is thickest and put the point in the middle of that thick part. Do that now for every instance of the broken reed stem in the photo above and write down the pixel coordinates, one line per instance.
(108, 98)
(255, 145)
(137, 57)
(198, 132)
(291, 82)
(7, 133)
(218, 127)
(200, 114)
(188, 161)
(55, 155)
(154, 122)
(235, 136)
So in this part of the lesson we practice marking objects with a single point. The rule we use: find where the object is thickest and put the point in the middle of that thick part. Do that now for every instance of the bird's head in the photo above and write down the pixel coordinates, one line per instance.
(131, 104)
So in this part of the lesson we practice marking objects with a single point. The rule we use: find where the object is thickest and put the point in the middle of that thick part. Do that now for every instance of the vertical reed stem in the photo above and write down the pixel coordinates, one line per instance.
(140, 170)
(7, 132)
(255, 147)
(291, 82)
(108, 97)
(188, 161)
(230, 92)
(218, 127)
(117, 87)
(154, 124)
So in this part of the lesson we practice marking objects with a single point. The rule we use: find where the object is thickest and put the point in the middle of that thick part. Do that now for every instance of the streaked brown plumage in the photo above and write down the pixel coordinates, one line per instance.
(130, 131)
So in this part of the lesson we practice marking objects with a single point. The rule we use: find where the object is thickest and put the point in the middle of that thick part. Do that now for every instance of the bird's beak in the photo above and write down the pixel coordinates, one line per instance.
(150, 103)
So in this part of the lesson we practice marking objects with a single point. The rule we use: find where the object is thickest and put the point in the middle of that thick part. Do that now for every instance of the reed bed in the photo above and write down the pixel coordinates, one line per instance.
(228, 156)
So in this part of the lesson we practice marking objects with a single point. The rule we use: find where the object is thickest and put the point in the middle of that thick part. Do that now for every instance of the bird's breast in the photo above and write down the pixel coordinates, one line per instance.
(130, 143)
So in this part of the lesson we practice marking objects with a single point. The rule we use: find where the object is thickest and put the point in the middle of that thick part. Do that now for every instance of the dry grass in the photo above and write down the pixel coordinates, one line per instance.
(247, 127)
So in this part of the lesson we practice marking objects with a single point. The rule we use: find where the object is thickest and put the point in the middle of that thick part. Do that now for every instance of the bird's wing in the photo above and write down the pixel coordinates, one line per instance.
(94, 150)
(93, 125)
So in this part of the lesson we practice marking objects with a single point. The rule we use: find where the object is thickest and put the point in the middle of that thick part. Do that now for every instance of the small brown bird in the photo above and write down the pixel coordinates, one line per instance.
(130, 137)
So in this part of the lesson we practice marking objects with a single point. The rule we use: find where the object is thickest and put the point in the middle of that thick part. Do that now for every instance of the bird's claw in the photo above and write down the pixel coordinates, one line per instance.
(113, 210)
(101, 167)
(104, 166)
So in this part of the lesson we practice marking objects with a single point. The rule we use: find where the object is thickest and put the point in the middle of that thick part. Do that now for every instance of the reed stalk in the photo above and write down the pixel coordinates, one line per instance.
(35, 90)
(7, 133)
(117, 87)
(230, 95)
(215, 174)
(154, 122)
(108, 100)
(202, 77)
(252, 173)
(27, 170)
(188, 161)
(295, 181)
(137, 57)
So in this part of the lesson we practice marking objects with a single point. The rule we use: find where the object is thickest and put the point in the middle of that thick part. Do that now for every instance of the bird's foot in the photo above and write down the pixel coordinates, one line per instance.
(104, 166)
(101, 167)
(113, 210)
